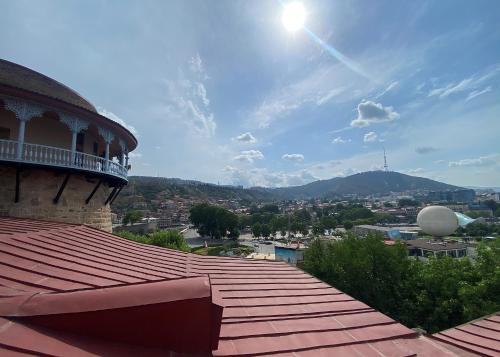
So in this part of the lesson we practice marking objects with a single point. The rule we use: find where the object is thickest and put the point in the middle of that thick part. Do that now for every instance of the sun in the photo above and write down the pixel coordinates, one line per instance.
(294, 16)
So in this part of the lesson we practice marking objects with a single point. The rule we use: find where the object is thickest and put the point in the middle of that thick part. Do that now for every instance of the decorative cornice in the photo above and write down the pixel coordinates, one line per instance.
(123, 145)
(74, 124)
(22, 109)
(106, 134)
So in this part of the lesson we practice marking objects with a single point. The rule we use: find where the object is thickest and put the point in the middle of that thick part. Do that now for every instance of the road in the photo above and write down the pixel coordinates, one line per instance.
(193, 239)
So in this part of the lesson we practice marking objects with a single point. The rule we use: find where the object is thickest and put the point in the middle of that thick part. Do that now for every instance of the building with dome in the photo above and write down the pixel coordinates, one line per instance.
(70, 289)
(60, 160)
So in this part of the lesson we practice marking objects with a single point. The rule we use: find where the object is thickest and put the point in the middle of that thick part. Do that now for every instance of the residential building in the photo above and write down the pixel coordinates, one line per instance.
(423, 248)
(388, 232)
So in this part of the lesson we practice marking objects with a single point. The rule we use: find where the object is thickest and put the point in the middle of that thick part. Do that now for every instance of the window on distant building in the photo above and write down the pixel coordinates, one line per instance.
(4, 133)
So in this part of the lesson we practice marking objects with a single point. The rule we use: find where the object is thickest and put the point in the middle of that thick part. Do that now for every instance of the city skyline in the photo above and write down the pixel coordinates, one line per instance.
(222, 92)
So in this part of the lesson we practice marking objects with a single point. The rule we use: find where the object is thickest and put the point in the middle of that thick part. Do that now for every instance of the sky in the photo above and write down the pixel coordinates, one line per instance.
(220, 91)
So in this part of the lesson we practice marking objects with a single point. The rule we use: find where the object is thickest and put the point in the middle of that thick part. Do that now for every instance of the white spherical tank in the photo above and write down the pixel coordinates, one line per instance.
(437, 221)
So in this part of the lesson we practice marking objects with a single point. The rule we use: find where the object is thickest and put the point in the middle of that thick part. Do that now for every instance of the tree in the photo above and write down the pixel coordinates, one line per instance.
(318, 229)
(132, 217)
(172, 239)
(265, 230)
(214, 221)
(169, 239)
(491, 204)
(256, 230)
(433, 295)
(348, 224)
(408, 202)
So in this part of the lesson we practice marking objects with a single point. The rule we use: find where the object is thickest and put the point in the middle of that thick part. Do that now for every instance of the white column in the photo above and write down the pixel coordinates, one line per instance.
(75, 125)
(20, 138)
(73, 146)
(123, 147)
(108, 137)
(106, 155)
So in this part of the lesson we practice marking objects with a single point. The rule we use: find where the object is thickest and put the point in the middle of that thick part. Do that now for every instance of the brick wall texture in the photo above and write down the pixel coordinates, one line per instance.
(38, 187)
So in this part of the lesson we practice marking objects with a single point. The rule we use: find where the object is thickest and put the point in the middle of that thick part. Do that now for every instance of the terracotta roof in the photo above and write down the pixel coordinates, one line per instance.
(479, 337)
(15, 75)
(74, 290)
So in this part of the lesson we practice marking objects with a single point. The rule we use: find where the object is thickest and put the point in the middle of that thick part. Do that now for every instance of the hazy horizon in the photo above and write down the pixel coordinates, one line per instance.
(226, 92)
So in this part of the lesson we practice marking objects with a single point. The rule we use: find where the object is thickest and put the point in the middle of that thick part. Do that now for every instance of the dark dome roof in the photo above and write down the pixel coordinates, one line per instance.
(15, 75)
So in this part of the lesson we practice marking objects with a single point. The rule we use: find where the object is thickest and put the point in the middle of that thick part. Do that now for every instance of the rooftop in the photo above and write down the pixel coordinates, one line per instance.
(481, 336)
(15, 75)
(435, 245)
(74, 290)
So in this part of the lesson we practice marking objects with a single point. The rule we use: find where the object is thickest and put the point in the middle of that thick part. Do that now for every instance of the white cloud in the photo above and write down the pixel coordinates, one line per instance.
(188, 100)
(196, 64)
(246, 138)
(135, 155)
(264, 178)
(267, 112)
(293, 157)
(488, 160)
(116, 118)
(249, 156)
(477, 93)
(325, 98)
(451, 88)
(415, 171)
(389, 88)
(439, 162)
(370, 137)
(471, 83)
(425, 149)
(307, 88)
(372, 113)
(339, 140)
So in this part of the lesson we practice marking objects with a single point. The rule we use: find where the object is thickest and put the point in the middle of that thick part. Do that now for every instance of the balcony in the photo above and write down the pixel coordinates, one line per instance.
(57, 157)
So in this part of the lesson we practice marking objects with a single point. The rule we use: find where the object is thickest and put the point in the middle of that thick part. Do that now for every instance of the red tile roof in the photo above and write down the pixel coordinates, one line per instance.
(74, 290)
(480, 337)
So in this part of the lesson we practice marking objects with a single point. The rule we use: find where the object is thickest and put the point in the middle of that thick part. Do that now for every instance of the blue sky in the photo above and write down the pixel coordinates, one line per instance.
(220, 91)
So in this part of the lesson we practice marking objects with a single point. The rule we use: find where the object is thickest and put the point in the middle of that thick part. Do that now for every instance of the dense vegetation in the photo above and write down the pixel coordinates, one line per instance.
(150, 190)
(478, 230)
(433, 295)
(167, 239)
(266, 221)
(214, 221)
(132, 217)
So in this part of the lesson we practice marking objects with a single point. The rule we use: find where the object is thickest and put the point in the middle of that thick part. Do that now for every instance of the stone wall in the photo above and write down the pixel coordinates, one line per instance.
(38, 187)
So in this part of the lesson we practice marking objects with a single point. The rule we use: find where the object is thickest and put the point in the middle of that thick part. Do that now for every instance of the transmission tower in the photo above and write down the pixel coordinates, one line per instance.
(386, 168)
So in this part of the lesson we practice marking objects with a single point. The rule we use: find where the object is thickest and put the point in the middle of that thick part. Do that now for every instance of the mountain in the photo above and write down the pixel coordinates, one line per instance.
(362, 184)
(147, 189)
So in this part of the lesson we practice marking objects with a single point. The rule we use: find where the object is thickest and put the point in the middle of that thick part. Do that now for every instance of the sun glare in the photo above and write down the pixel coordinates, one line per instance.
(294, 16)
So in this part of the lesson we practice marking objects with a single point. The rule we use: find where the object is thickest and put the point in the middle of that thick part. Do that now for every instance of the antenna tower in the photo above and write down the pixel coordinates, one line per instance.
(386, 168)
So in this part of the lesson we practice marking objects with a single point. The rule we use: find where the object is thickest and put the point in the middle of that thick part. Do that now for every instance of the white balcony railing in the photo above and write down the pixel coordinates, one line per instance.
(51, 156)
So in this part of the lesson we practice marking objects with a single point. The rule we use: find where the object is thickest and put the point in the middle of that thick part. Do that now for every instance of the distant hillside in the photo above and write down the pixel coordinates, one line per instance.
(145, 189)
(365, 183)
